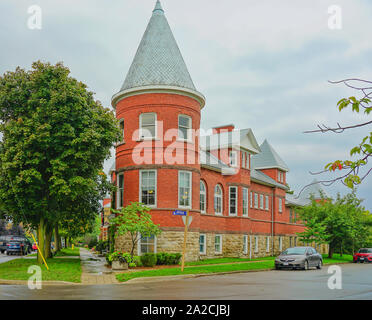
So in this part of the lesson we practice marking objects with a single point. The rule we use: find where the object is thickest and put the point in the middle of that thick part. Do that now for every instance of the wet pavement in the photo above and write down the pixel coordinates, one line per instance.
(312, 284)
(94, 269)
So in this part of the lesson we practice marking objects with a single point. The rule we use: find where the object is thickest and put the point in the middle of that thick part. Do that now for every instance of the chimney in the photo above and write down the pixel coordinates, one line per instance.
(225, 128)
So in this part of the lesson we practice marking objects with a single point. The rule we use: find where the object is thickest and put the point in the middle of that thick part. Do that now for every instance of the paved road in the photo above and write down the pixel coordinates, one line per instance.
(5, 258)
(312, 284)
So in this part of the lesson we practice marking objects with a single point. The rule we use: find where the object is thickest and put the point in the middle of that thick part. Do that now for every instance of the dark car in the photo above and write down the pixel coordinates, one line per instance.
(18, 247)
(363, 255)
(299, 258)
(4, 240)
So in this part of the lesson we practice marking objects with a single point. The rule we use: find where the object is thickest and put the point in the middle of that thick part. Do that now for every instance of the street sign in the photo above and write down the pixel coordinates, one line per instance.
(179, 213)
(189, 222)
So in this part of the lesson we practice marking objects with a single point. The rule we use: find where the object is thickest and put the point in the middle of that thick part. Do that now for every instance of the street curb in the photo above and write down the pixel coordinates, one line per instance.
(48, 283)
(145, 279)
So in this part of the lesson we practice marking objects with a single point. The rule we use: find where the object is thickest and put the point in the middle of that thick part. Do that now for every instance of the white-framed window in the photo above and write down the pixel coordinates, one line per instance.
(280, 243)
(243, 164)
(256, 200)
(218, 200)
(148, 187)
(202, 243)
(251, 199)
(256, 244)
(233, 201)
(184, 127)
(245, 202)
(261, 201)
(218, 243)
(233, 158)
(146, 245)
(184, 189)
(290, 241)
(267, 203)
(121, 128)
(245, 244)
(120, 192)
(295, 241)
(148, 125)
(280, 205)
(267, 244)
(203, 197)
(248, 161)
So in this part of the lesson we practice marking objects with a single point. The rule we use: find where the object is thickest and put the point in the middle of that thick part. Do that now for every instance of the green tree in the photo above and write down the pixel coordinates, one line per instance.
(55, 140)
(136, 221)
(352, 171)
(336, 222)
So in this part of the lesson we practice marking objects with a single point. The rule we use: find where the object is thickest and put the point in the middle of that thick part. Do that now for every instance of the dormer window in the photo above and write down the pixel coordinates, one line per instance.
(147, 126)
(184, 127)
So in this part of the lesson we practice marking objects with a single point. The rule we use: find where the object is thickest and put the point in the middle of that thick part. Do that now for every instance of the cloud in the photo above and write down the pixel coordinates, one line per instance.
(260, 64)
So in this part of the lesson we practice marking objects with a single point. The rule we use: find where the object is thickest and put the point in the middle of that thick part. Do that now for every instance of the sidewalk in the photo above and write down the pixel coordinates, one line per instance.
(94, 269)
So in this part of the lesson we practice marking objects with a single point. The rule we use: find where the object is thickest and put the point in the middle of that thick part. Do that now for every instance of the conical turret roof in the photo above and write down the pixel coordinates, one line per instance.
(158, 62)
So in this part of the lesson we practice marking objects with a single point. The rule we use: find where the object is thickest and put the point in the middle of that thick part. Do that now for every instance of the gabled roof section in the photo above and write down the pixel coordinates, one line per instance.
(209, 161)
(158, 63)
(293, 200)
(261, 178)
(232, 139)
(268, 158)
(314, 189)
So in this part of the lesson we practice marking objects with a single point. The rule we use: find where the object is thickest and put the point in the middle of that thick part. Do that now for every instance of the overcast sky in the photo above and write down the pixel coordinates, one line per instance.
(262, 64)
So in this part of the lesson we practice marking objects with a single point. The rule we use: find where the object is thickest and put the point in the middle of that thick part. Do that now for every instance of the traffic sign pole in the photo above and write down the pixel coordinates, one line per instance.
(184, 241)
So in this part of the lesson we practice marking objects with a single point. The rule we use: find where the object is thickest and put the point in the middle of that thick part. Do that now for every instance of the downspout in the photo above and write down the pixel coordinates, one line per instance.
(272, 222)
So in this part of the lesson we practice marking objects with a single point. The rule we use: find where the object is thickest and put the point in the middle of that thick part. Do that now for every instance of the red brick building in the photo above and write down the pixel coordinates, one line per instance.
(234, 188)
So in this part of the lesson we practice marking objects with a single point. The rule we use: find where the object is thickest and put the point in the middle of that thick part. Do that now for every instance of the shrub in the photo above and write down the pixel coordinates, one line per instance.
(92, 243)
(123, 257)
(102, 246)
(149, 259)
(161, 258)
(164, 258)
(109, 262)
(137, 261)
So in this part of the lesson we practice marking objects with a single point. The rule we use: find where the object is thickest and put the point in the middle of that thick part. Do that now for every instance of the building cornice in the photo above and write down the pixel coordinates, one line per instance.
(158, 89)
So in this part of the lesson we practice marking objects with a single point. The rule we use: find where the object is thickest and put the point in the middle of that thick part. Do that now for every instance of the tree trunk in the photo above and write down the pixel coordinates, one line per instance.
(48, 239)
(330, 251)
(57, 238)
(40, 239)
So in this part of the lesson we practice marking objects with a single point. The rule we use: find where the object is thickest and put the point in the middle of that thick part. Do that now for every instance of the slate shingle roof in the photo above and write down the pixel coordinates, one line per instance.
(268, 158)
(158, 60)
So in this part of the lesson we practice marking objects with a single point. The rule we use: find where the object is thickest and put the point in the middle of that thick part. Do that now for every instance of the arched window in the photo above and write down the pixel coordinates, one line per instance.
(218, 199)
(203, 197)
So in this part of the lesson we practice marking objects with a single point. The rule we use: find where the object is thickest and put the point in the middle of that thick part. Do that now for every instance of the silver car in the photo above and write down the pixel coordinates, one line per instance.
(299, 258)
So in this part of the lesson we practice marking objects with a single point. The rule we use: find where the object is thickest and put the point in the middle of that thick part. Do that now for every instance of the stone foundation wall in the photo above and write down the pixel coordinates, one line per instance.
(232, 245)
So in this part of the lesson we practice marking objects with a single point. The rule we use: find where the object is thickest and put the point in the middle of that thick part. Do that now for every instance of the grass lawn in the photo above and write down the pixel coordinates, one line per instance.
(337, 259)
(122, 277)
(59, 269)
(68, 252)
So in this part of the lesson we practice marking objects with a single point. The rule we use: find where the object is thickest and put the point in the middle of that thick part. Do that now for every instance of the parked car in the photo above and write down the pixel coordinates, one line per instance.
(5, 239)
(363, 255)
(299, 258)
(18, 247)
